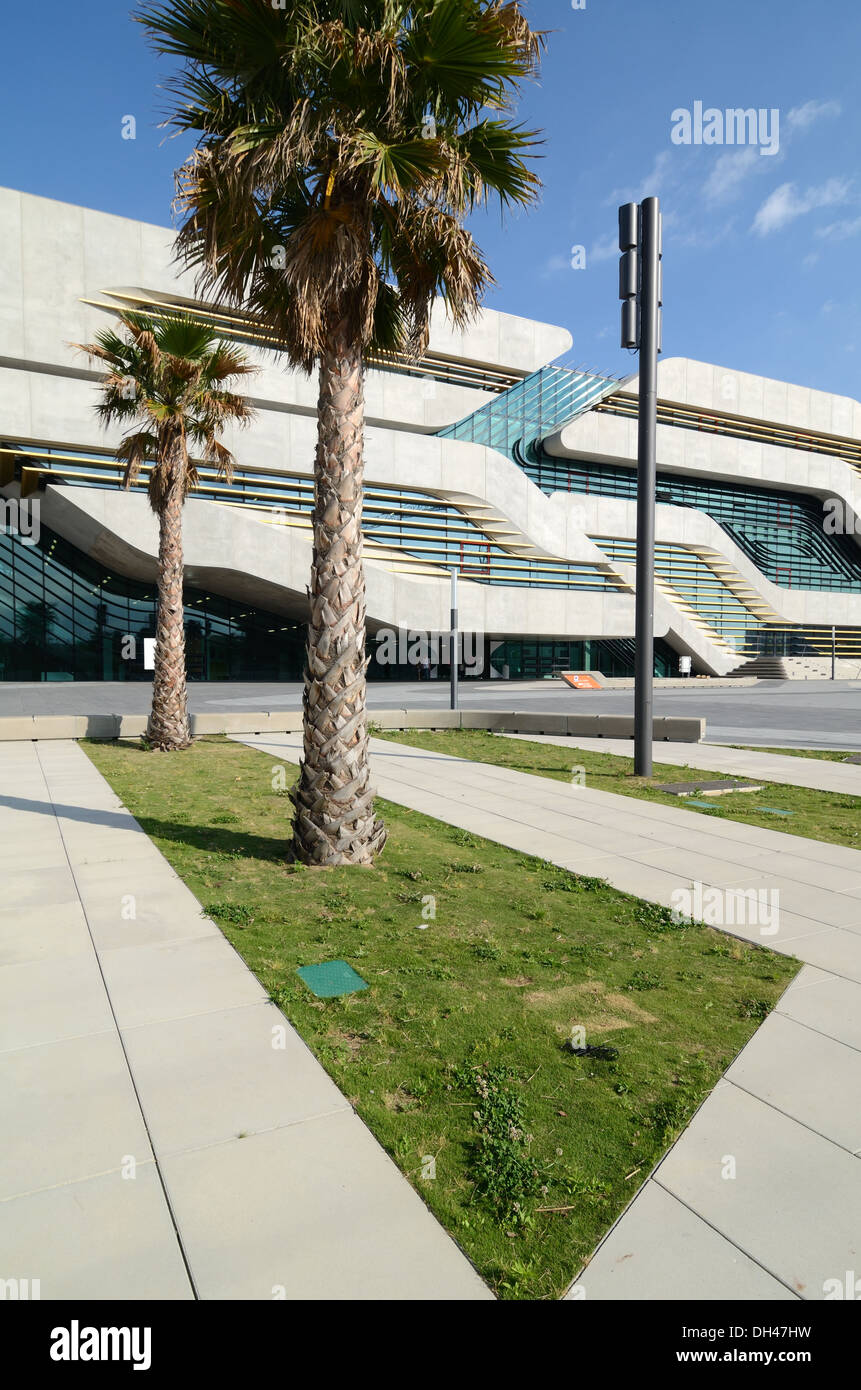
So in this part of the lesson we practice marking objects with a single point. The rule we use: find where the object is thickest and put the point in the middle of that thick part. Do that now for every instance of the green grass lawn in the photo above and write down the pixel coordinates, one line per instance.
(455, 1056)
(829, 816)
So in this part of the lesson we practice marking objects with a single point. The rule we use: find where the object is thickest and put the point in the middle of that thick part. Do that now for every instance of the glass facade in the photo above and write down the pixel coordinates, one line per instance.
(430, 534)
(542, 402)
(526, 658)
(64, 616)
(530, 659)
(780, 532)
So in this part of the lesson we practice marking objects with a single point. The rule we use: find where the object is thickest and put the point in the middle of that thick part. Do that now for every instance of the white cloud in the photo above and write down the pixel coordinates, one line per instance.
(785, 204)
(730, 171)
(554, 264)
(839, 231)
(604, 249)
(653, 185)
(702, 238)
(802, 117)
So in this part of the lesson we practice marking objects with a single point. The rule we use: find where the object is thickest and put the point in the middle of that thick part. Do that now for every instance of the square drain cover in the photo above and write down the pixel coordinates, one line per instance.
(331, 978)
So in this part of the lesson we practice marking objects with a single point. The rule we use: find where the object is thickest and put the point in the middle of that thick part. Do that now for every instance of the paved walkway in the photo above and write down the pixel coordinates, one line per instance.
(786, 1119)
(157, 1144)
(817, 773)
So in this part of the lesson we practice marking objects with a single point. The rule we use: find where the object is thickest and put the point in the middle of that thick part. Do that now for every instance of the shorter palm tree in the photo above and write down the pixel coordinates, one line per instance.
(167, 380)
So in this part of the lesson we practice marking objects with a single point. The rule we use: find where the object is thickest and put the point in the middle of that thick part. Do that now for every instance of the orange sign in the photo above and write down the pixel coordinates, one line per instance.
(580, 680)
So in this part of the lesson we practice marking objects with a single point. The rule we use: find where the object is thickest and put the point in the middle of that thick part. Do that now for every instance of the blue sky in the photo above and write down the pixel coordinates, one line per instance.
(761, 252)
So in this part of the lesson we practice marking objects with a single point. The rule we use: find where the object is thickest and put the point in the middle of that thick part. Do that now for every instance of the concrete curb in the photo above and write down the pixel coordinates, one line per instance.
(111, 726)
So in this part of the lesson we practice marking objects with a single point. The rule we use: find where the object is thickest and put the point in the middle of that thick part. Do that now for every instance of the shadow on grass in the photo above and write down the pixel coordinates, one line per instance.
(217, 839)
(231, 842)
(236, 844)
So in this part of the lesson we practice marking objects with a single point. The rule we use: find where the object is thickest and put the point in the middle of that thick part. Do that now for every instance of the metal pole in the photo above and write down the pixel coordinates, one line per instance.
(833, 652)
(453, 640)
(644, 658)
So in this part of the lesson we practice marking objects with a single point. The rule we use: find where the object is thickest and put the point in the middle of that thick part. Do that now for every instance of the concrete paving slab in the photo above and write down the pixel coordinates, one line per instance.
(14, 845)
(177, 979)
(38, 887)
(97, 843)
(795, 1203)
(34, 935)
(812, 1078)
(294, 1216)
(833, 877)
(109, 876)
(57, 997)
(193, 1076)
(70, 1112)
(661, 1250)
(826, 1004)
(157, 920)
(694, 837)
(803, 901)
(688, 866)
(834, 949)
(105, 850)
(105, 1238)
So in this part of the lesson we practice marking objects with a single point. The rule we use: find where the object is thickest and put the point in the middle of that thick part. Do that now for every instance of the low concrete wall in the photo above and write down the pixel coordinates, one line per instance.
(51, 726)
(111, 726)
(808, 668)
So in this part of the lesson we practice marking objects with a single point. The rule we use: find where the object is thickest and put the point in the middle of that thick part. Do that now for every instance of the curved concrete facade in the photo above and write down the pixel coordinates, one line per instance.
(549, 562)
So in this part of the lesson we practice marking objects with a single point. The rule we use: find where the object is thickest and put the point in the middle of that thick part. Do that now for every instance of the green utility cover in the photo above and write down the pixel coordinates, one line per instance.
(774, 811)
(331, 978)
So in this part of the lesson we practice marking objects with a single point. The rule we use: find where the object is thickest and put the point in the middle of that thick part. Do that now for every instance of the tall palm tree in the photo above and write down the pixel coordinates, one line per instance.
(341, 144)
(167, 380)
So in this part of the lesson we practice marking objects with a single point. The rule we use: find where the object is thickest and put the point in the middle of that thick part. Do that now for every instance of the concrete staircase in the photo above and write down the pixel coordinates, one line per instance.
(765, 668)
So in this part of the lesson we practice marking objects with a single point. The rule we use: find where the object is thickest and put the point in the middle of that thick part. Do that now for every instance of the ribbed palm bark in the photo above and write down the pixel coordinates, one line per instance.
(168, 727)
(334, 821)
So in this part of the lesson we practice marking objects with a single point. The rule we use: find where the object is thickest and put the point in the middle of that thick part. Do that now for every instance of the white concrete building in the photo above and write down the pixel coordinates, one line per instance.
(482, 457)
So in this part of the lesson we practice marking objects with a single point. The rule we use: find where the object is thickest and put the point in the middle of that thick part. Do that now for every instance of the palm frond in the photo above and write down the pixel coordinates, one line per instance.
(134, 451)
(316, 179)
(167, 377)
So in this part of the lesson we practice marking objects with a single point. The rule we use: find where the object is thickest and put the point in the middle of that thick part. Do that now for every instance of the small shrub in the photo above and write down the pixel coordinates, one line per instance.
(464, 838)
(754, 1008)
(670, 1116)
(503, 1173)
(659, 919)
(236, 913)
(643, 979)
(561, 881)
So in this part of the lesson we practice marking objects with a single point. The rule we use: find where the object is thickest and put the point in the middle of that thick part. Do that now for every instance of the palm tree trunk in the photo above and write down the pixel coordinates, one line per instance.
(334, 821)
(168, 727)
